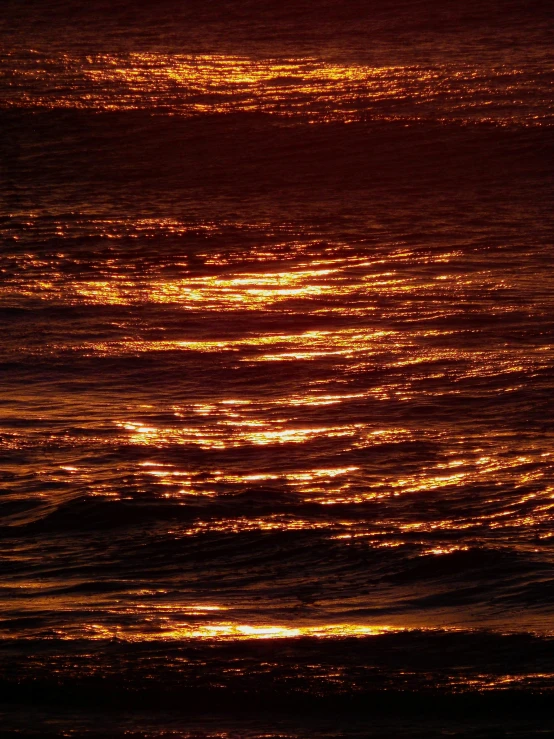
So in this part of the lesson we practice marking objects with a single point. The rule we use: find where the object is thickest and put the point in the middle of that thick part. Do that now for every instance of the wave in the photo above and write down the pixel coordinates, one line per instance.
(413, 673)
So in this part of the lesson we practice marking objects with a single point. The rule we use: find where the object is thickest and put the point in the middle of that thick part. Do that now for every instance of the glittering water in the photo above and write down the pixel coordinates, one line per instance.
(276, 292)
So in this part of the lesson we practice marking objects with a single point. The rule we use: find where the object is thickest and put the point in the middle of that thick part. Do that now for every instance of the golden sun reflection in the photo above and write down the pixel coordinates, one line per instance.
(231, 433)
(342, 282)
(308, 345)
(490, 681)
(317, 89)
(326, 481)
(232, 631)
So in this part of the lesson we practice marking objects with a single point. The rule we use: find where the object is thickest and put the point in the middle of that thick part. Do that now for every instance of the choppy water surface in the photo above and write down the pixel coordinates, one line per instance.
(277, 370)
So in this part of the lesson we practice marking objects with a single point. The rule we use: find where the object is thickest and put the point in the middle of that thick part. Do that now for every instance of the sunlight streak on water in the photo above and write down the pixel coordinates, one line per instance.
(319, 90)
(275, 390)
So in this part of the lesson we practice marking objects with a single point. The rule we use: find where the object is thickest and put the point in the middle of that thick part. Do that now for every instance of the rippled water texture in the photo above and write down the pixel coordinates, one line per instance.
(277, 361)
(308, 87)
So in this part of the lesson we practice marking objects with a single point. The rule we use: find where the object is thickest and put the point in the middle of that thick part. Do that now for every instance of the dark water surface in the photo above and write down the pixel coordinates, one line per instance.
(276, 369)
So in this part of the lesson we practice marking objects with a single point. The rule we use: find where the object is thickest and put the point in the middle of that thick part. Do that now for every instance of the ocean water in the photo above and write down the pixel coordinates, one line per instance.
(276, 369)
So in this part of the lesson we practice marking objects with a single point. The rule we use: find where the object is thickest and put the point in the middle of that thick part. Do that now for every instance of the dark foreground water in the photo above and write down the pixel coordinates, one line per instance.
(277, 369)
